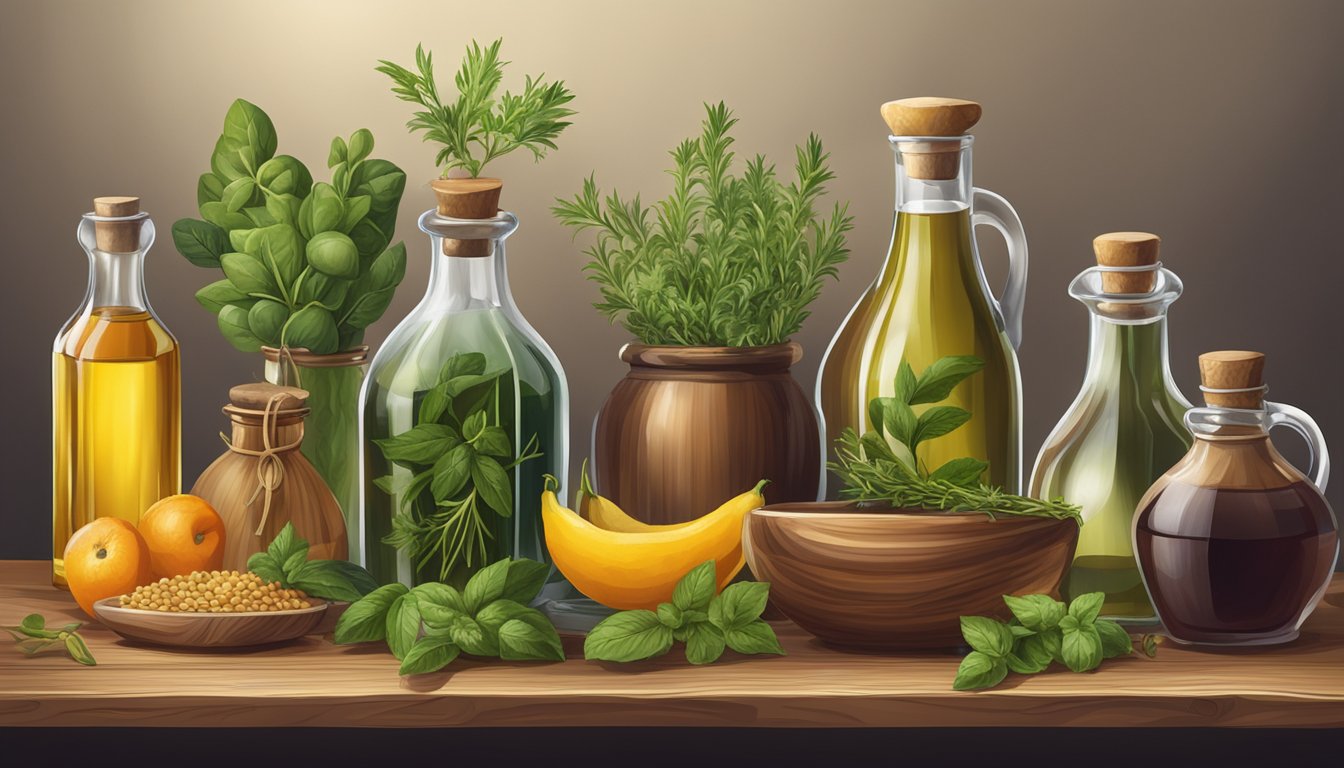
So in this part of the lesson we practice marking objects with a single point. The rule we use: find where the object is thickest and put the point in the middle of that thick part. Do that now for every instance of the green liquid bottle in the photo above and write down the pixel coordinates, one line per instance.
(1125, 427)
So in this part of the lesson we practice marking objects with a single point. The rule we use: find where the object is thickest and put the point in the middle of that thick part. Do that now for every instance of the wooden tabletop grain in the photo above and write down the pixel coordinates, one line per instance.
(314, 683)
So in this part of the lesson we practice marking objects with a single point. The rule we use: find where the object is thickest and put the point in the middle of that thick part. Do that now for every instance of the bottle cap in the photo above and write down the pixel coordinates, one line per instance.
(257, 397)
(1232, 379)
(117, 236)
(931, 116)
(467, 199)
(1127, 249)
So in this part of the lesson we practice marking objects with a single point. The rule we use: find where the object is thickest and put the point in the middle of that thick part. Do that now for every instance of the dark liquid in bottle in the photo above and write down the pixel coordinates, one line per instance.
(1235, 566)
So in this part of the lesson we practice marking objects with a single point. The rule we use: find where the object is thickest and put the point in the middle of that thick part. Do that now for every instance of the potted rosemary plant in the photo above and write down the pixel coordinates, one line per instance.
(307, 267)
(712, 281)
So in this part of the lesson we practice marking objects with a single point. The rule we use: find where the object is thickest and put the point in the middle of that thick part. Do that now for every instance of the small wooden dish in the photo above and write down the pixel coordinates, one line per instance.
(209, 630)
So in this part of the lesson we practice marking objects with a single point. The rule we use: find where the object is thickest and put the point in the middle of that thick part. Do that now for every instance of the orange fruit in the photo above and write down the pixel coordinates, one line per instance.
(105, 558)
(184, 534)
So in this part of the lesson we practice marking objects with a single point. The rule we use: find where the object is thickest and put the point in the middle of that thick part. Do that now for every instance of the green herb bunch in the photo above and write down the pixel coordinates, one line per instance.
(305, 264)
(476, 127)
(1041, 632)
(32, 637)
(882, 465)
(724, 260)
(458, 458)
(707, 623)
(286, 561)
(427, 627)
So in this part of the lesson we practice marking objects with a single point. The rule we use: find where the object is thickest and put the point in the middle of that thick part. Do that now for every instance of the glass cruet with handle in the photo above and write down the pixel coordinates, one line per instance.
(931, 299)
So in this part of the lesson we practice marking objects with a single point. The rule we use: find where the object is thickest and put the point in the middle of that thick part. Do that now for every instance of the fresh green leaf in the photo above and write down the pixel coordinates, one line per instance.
(209, 189)
(1114, 639)
(500, 612)
(493, 441)
(1036, 612)
(216, 295)
(324, 579)
(248, 274)
(525, 580)
(1086, 608)
(899, 421)
(403, 624)
(266, 318)
(906, 383)
(939, 379)
(366, 620)
(33, 621)
(1042, 648)
(990, 637)
(705, 643)
(78, 650)
(696, 589)
(472, 638)
(361, 144)
(627, 636)
(227, 220)
(978, 671)
(1150, 645)
(265, 566)
(339, 153)
(423, 444)
(938, 421)
(486, 586)
(452, 471)
(428, 654)
(670, 615)
(524, 641)
(312, 328)
(200, 242)
(1081, 649)
(321, 211)
(286, 544)
(492, 483)
(233, 324)
(334, 254)
(964, 472)
(756, 637)
(440, 594)
(738, 605)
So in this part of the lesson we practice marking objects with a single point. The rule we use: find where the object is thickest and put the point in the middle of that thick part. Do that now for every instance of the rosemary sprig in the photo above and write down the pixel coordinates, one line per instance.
(724, 260)
(477, 128)
(881, 466)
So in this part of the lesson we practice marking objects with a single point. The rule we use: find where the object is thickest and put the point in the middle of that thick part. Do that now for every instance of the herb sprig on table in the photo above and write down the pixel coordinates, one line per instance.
(33, 637)
(707, 623)
(883, 464)
(457, 460)
(1042, 631)
(477, 127)
(724, 260)
(286, 561)
(429, 626)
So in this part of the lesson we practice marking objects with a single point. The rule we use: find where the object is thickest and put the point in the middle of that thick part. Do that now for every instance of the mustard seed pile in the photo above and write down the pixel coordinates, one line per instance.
(215, 592)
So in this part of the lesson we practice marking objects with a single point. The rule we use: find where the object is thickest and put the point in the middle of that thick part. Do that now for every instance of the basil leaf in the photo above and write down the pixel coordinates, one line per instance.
(938, 421)
(248, 274)
(497, 614)
(1069, 623)
(366, 619)
(462, 364)
(964, 471)
(899, 420)
(990, 637)
(756, 637)
(333, 253)
(473, 426)
(285, 175)
(1081, 649)
(312, 328)
(265, 566)
(1150, 645)
(978, 671)
(232, 322)
(428, 654)
(266, 319)
(361, 144)
(440, 617)
(281, 251)
(486, 586)
(452, 470)
(472, 638)
(493, 441)
(1114, 639)
(324, 579)
(368, 308)
(321, 211)
(704, 643)
(383, 182)
(239, 193)
(338, 152)
(738, 605)
(403, 625)
(200, 242)
(1025, 665)
(423, 444)
(360, 579)
(75, 645)
(356, 208)
(1042, 648)
(33, 621)
(433, 406)
(525, 580)
(670, 615)
(209, 189)
(218, 294)
(440, 594)
(246, 126)
(906, 384)
(284, 208)
(1086, 608)
(940, 378)
(627, 636)
(324, 289)
(1036, 612)
(286, 543)
(296, 560)
(696, 589)
(492, 483)
(220, 215)
(524, 641)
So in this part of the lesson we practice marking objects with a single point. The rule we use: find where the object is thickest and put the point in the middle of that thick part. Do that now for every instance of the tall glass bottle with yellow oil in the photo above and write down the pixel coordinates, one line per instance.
(931, 299)
(115, 386)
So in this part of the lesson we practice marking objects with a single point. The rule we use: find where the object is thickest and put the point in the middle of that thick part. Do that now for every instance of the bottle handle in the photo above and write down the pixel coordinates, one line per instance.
(989, 209)
(1297, 420)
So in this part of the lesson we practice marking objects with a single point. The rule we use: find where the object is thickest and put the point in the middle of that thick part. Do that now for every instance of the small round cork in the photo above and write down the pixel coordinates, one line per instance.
(1233, 369)
(931, 116)
(256, 397)
(117, 236)
(1127, 249)
(467, 199)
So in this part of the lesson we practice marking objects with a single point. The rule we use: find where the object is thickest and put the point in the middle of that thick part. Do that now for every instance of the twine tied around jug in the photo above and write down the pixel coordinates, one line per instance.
(270, 469)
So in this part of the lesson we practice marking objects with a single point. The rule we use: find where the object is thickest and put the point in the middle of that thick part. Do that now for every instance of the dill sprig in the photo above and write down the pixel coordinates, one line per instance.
(477, 128)
(724, 260)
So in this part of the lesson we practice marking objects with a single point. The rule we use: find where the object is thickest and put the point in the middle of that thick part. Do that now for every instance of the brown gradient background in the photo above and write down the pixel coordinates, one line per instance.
(1215, 124)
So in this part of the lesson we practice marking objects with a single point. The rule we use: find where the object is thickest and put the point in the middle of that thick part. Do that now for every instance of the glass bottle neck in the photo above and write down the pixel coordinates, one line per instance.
(116, 280)
(1128, 354)
(467, 282)
(933, 174)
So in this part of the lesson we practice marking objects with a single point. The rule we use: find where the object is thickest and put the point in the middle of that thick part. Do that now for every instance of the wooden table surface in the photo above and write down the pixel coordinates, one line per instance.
(314, 683)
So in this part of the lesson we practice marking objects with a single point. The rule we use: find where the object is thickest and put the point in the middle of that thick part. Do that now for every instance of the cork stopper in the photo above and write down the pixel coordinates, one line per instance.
(1232, 370)
(117, 236)
(1127, 249)
(931, 116)
(467, 199)
(256, 397)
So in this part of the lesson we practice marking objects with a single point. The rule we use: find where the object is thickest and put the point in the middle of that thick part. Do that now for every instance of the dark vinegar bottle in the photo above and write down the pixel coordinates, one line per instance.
(1237, 546)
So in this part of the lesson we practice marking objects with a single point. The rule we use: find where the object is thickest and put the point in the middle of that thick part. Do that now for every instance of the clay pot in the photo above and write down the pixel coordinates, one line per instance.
(690, 427)
(900, 579)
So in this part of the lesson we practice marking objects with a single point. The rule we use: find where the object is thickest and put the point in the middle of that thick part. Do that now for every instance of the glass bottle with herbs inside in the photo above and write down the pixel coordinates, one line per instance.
(931, 299)
(1124, 429)
(465, 407)
(115, 386)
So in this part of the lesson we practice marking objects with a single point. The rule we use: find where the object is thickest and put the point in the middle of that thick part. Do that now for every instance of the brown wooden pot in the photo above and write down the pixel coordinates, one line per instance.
(690, 427)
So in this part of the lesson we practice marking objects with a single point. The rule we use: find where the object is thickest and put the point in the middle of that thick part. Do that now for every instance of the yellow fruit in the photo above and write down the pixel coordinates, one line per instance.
(105, 558)
(605, 514)
(639, 569)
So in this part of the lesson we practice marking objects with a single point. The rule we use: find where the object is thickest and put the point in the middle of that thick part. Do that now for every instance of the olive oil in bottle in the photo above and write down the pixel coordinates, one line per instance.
(115, 394)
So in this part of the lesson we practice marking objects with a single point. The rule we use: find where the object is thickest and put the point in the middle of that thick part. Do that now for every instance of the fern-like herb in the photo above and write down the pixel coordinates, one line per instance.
(882, 465)
(724, 260)
(477, 128)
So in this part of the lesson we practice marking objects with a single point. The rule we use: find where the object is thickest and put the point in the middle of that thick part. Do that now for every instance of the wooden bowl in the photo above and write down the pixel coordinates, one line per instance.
(209, 630)
(900, 579)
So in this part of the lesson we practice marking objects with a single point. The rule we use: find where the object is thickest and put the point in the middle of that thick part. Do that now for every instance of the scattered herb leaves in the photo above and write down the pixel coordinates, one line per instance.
(32, 637)
(286, 561)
